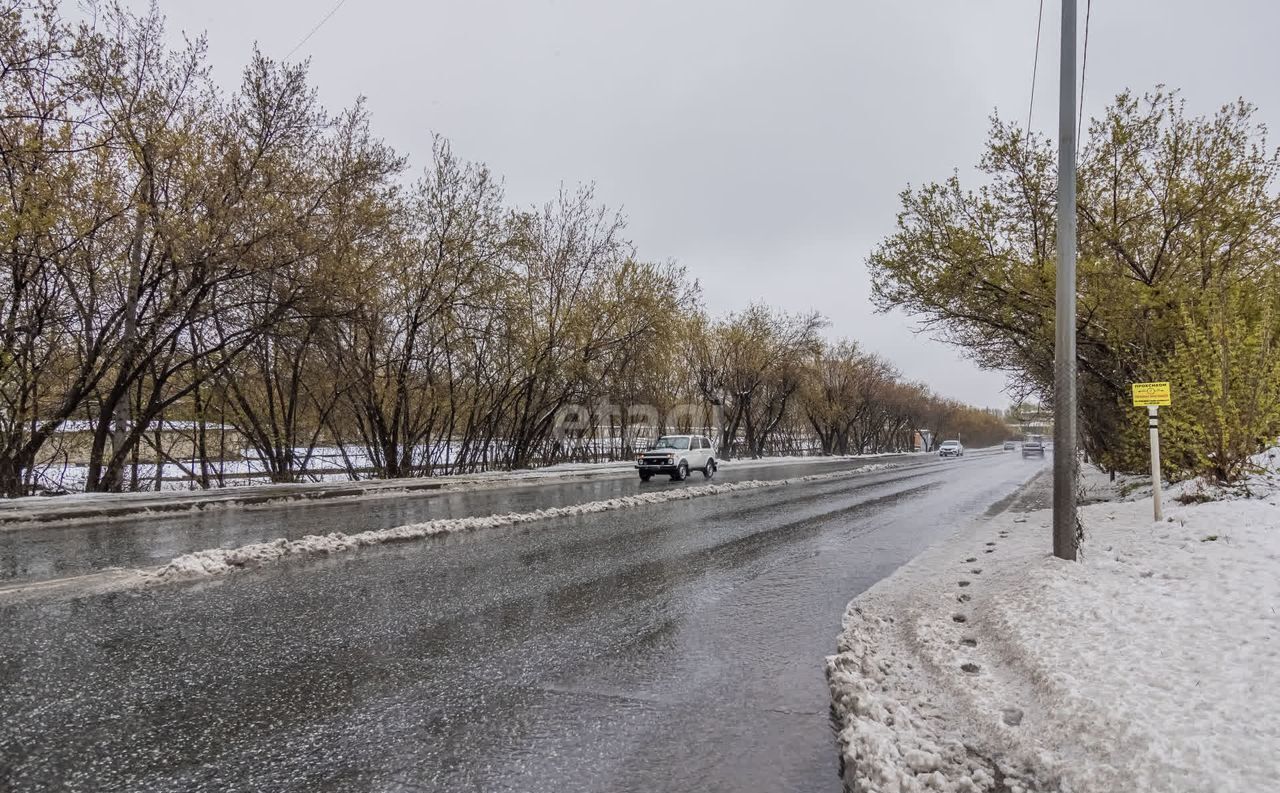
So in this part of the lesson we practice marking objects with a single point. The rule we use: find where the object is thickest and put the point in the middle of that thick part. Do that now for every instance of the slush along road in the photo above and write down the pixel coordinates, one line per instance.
(667, 647)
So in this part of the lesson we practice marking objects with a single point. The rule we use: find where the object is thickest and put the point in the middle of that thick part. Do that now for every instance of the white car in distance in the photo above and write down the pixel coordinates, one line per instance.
(676, 456)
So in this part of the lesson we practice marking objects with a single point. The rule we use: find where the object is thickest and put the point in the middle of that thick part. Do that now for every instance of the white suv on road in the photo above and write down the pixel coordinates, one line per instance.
(677, 455)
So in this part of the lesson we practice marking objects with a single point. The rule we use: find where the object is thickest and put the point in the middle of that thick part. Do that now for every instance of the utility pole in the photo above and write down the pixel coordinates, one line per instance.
(1064, 369)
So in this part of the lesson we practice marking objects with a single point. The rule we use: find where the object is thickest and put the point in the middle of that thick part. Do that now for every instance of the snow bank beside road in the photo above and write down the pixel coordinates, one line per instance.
(1153, 664)
(220, 561)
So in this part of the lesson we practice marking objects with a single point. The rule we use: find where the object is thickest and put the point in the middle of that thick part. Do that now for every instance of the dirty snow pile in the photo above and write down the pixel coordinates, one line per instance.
(1152, 664)
(220, 561)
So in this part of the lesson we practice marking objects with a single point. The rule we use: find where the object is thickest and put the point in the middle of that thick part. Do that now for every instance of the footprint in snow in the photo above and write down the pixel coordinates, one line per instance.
(963, 597)
(971, 667)
(969, 641)
(959, 618)
(963, 583)
(971, 559)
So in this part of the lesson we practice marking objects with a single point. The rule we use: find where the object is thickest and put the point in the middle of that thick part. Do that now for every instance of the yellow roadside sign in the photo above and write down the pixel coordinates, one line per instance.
(1148, 394)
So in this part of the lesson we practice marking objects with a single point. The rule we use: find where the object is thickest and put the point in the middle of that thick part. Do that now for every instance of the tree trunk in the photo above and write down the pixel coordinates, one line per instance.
(128, 337)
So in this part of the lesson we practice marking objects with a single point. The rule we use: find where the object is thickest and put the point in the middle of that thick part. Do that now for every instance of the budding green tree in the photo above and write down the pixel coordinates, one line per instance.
(1170, 206)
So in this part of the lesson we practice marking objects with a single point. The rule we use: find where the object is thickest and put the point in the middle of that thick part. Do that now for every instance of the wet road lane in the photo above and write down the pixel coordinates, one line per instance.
(38, 553)
(668, 647)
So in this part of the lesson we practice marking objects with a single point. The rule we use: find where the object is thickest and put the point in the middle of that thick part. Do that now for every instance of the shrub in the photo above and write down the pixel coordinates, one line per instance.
(1226, 380)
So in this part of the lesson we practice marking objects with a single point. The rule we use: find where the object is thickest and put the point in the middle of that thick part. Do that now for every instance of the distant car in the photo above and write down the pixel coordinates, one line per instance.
(676, 456)
(1010, 445)
(1033, 446)
(951, 449)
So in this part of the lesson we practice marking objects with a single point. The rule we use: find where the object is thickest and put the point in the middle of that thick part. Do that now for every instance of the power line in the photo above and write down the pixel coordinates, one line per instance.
(1035, 65)
(1084, 65)
(320, 24)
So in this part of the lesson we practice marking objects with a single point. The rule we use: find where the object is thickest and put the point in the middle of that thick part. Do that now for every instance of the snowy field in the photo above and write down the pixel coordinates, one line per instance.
(318, 464)
(1153, 664)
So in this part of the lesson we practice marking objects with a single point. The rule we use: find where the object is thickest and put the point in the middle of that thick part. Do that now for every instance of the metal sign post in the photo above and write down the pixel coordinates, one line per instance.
(1152, 396)
(1153, 423)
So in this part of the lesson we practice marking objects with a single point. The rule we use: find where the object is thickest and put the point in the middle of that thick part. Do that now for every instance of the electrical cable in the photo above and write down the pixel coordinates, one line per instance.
(1084, 65)
(1035, 66)
(319, 25)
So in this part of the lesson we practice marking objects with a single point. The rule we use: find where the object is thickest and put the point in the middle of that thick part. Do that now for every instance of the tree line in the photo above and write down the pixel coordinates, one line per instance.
(1178, 276)
(177, 254)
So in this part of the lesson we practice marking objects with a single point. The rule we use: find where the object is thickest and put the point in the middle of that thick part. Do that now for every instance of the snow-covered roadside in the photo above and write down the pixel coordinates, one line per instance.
(41, 510)
(1153, 664)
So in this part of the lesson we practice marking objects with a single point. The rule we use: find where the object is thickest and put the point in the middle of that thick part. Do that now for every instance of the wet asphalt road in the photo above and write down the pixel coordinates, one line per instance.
(673, 647)
(38, 553)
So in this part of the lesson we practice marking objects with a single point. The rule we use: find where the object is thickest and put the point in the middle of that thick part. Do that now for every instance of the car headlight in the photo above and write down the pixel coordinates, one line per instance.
(671, 458)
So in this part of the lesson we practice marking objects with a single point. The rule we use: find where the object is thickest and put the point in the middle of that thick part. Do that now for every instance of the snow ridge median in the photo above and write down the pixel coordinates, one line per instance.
(221, 561)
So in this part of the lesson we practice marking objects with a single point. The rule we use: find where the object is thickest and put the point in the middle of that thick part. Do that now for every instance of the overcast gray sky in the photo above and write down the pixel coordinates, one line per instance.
(760, 144)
